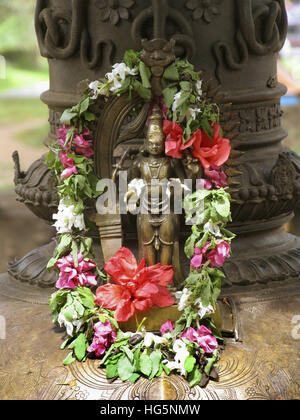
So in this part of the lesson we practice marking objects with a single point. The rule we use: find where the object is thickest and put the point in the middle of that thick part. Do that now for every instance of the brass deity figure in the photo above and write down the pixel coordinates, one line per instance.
(158, 227)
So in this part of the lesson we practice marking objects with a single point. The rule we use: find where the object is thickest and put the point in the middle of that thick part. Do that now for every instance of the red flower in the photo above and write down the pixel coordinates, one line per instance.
(210, 152)
(174, 142)
(136, 287)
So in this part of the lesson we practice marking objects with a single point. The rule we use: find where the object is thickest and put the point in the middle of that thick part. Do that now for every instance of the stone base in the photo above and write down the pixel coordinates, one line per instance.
(263, 364)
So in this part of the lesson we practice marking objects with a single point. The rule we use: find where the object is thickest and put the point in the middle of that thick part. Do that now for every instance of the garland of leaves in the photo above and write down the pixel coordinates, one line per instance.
(189, 346)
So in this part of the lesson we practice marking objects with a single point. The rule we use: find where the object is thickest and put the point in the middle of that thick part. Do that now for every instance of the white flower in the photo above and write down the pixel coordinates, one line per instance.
(121, 70)
(184, 297)
(66, 218)
(77, 323)
(193, 113)
(138, 185)
(151, 338)
(98, 88)
(199, 88)
(118, 75)
(212, 228)
(114, 82)
(176, 100)
(181, 354)
(203, 311)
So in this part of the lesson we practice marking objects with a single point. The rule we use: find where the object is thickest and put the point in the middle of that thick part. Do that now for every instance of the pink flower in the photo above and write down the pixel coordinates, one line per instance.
(203, 330)
(203, 184)
(208, 343)
(69, 164)
(82, 146)
(62, 136)
(167, 326)
(218, 255)
(198, 259)
(203, 337)
(218, 178)
(103, 338)
(71, 276)
(190, 334)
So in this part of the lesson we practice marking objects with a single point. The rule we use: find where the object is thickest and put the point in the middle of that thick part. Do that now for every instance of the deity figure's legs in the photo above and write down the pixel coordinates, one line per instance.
(159, 242)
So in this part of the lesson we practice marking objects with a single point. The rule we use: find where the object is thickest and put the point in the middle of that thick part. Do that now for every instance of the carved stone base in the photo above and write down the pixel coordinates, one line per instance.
(31, 268)
(262, 365)
(263, 257)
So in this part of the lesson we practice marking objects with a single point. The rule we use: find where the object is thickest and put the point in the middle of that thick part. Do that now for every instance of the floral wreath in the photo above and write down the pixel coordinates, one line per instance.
(91, 313)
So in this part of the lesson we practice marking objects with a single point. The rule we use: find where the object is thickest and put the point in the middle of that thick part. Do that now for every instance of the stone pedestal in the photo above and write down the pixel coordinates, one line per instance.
(262, 364)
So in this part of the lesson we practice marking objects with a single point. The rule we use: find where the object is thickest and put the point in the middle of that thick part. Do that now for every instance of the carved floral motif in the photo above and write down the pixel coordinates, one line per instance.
(114, 10)
(204, 9)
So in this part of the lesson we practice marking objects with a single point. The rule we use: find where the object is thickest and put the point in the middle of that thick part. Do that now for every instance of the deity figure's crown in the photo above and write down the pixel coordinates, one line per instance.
(155, 121)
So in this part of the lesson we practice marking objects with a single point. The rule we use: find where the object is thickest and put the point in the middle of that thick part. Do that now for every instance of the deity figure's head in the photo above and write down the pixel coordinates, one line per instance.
(155, 139)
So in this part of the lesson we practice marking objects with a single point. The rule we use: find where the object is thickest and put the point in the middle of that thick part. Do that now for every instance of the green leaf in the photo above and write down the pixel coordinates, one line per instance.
(134, 377)
(186, 87)
(168, 94)
(51, 263)
(171, 73)
(67, 117)
(125, 368)
(84, 105)
(145, 365)
(89, 116)
(210, 363)
(79, 345)
(194, 377)
(145, 73)
(69, 359)
(87, 297)
(131, 58)
(74, 252)
(222, 205)
(202, 241)
(63, 244)
(207, 127)
(143, 92)
(69, 313)
(155, 357)
(111, 371)
(128, 353)
(79, 308)
(189, 247)
(189, 364)
(166, 369)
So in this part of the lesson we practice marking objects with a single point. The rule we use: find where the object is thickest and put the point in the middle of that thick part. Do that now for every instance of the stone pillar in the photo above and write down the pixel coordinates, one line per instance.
(236, 44)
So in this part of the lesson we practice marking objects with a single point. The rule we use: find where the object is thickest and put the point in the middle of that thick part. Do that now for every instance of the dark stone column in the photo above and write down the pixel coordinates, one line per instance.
(235, 43)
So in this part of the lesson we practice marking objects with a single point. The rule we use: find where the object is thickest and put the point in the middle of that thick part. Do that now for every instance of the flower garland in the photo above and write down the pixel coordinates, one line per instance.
(191, 345)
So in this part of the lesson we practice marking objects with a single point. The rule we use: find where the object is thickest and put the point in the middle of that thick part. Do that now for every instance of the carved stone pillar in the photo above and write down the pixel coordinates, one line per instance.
(235, 43)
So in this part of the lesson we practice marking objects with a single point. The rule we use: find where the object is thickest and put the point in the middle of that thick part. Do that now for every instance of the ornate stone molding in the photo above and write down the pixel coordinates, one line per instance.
(261, 30)
(36, 188)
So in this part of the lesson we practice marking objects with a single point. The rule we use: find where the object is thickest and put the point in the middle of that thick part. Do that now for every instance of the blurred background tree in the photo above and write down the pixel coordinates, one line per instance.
(18, 40)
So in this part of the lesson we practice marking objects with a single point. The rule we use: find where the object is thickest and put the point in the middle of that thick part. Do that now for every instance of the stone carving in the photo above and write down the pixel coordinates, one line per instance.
(260, 118)
(31, 268)
(114, 10)
(158, 54)
(36, 188)
(180, 30)
(262, 30)
(204, 9)
(59, 30)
